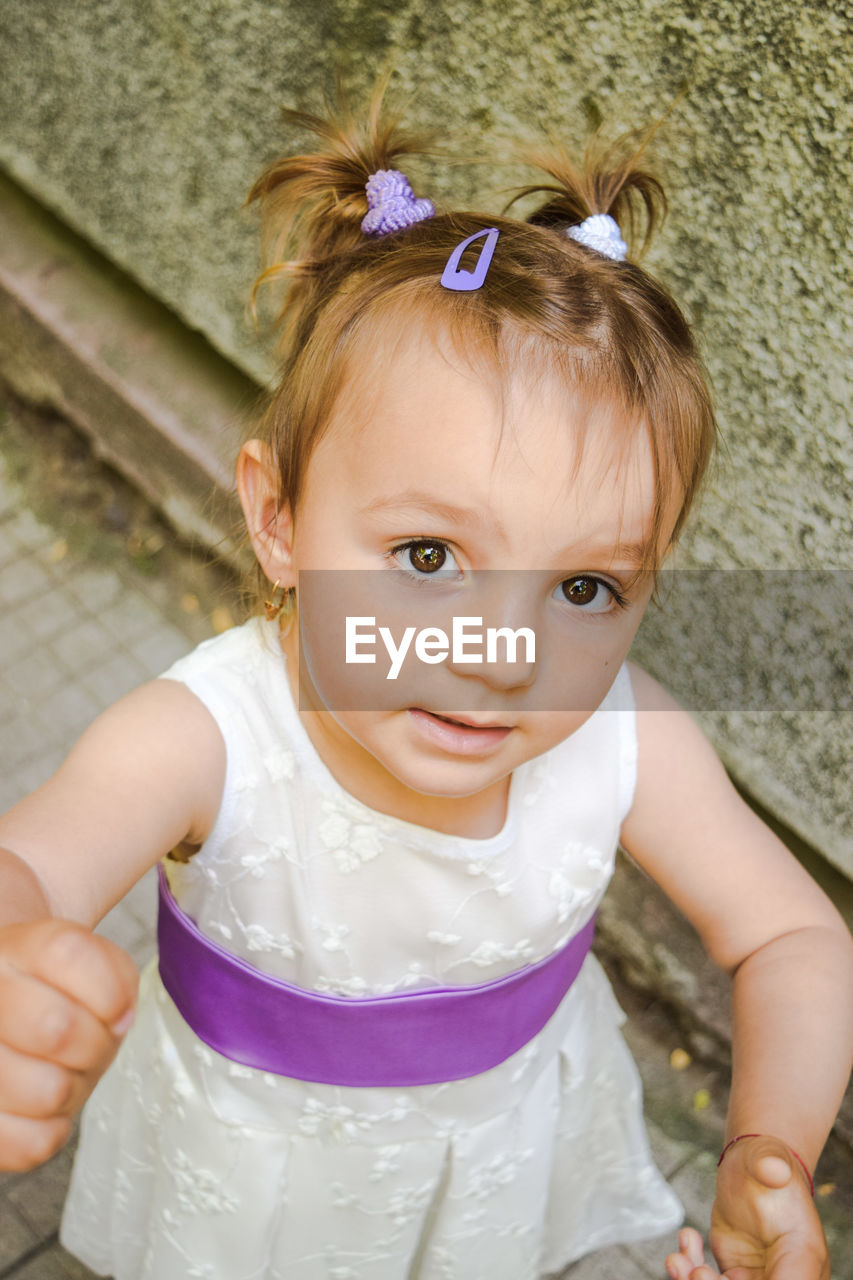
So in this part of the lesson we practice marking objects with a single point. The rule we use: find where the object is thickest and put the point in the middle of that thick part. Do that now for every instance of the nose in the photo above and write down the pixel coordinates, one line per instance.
(504, 612)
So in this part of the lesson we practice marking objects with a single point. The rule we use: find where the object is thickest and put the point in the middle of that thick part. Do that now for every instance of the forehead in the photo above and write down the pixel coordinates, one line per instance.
(419, 418)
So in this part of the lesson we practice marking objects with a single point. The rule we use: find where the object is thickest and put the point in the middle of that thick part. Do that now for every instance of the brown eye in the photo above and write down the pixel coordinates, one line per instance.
(580, 590)
(427, 557)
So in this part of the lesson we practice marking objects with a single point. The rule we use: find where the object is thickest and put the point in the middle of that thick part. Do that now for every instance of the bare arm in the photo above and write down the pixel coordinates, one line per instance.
(760, 916)
(145, 776)
(765, 921)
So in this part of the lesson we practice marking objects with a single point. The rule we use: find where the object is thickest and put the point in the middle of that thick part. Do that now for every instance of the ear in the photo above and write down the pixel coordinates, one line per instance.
(270, 526)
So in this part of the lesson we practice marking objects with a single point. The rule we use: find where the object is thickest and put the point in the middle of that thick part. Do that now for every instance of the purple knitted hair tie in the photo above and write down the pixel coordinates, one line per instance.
(392, 204)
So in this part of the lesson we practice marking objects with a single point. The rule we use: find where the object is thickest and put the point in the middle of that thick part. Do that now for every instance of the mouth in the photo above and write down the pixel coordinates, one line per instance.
(462, 735)
(465, 722)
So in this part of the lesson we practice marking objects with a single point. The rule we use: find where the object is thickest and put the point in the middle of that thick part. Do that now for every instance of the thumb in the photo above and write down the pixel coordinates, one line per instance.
(773, 1171)
(772, 1163)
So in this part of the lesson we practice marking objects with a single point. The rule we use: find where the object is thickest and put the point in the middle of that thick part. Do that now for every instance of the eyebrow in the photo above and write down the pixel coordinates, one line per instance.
(411, 500)
(634, 554)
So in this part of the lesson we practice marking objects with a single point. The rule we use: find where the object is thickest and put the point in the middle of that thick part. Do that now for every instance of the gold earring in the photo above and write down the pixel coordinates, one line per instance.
(271, 609)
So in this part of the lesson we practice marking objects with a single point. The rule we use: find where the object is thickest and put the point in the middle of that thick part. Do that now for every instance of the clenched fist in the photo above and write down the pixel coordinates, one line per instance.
(66, 999)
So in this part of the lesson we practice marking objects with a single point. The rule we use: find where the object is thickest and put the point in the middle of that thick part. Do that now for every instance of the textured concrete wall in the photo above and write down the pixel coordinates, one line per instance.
(143, 125)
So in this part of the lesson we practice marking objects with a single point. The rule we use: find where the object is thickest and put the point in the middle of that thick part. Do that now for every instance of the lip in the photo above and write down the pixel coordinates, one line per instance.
(462, 735)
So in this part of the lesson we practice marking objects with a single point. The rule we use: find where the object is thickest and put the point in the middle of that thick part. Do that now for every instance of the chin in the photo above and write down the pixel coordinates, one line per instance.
(450, 779)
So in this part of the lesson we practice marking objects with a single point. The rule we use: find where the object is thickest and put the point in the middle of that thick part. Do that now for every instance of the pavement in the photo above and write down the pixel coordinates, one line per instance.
(95, 598)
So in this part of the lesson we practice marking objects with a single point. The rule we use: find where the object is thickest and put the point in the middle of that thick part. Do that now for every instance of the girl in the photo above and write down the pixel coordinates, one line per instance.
(376, 1044)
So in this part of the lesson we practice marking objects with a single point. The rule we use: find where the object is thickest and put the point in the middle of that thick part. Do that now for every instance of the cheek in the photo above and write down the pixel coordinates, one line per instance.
(342, 655)
(577, 662)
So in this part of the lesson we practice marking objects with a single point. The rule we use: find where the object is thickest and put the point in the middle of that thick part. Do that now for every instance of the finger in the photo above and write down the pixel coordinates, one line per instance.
(690, 1243)
(25, 1143)
(89, 969)
(678, 1266)
(40, 1022)
(37, 1089)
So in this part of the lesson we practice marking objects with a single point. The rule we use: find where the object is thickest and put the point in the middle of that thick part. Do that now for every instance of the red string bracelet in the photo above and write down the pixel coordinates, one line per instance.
(799, 1159)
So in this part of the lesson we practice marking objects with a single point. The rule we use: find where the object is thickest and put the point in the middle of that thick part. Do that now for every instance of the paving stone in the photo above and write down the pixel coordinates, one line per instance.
(74, 1269)
(53, 612)
(38, 769)
(24, 736)
(158, 651)
(132, 618)
(694, 1185)
(141, 901)
(9, 548)
(16, 636)
(51, 1264)
(36, 674)
(16, 1237)
(132, 922)
(10, 791)
(83, 646)
(29, 533)
(115, 677)
(95, 588)
(9, 499)
(22, 580)
(607, 1264)
(70, 709)
(650, 1255)
(669, 1153)
(39, 1196)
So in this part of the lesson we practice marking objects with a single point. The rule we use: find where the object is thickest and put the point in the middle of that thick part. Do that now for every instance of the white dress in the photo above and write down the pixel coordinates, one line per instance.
(191, 1167)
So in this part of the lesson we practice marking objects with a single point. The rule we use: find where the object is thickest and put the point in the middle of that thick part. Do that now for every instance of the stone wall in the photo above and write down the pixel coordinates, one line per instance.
(143, 124)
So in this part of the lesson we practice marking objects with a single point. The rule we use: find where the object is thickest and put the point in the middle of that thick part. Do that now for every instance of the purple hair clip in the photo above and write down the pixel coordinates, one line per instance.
(601, 233)
(392, 204)
(458, 278)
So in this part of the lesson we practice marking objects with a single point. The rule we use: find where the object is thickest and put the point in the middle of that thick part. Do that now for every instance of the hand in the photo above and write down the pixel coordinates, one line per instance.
(764, 1225)
(66, 998)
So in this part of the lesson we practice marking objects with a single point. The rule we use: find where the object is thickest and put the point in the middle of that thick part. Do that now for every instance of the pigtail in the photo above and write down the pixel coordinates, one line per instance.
(312, 205)
(609, 179)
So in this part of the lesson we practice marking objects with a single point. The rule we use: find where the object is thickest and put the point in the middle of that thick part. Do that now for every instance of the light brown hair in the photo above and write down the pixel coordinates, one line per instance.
(609, 329)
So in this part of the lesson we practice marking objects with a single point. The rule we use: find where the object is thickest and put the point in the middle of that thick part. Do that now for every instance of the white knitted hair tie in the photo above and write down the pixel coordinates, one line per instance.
(601, 233)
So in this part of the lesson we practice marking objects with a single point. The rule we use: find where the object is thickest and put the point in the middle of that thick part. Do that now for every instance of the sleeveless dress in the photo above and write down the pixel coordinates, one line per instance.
(192, 1167)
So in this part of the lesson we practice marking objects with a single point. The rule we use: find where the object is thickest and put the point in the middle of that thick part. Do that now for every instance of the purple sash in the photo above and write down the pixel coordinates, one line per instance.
(413, 1038)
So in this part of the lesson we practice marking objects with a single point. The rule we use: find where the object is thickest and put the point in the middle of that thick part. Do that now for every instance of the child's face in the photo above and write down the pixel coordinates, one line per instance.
(425, 466)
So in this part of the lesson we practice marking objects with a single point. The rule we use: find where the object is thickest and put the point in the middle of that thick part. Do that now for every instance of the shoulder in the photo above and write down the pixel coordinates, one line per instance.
(239, 676)
(665, 730)
(159, 739)
(241, 650)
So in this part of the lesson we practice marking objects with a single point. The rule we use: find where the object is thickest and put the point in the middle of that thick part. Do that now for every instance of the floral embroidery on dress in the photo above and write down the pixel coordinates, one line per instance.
(490, 952)
(575, 882)
(280, 764)
(257, 860)
(485, 1179)
(387, 1161)
(351, 842)
(259, 938)
(332, 934)
(197, 1190)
